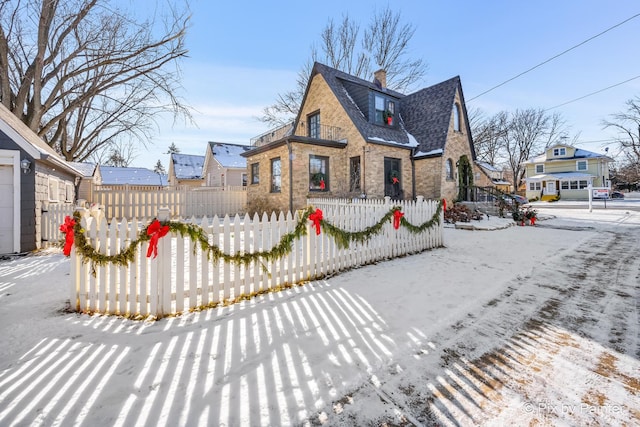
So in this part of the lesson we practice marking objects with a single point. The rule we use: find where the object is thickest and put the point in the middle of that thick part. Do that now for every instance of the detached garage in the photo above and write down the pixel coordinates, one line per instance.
(32, 175)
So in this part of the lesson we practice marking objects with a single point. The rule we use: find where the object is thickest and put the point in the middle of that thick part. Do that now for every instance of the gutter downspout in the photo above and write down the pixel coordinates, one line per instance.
(289, 149)
(413, 173)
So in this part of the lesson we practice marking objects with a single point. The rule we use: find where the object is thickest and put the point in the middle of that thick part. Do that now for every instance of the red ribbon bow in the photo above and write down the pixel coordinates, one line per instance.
(322, 184)
(156, 231)
(444, 205)
(68, 228)
(397, 215)
(316, 217)
(395, 180)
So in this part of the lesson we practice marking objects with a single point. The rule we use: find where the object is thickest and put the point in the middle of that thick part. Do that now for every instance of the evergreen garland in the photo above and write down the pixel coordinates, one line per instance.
(342, 238)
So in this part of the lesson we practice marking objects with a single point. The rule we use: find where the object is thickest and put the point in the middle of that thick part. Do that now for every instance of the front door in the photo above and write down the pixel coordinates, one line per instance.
(551, 188)
(392, 178)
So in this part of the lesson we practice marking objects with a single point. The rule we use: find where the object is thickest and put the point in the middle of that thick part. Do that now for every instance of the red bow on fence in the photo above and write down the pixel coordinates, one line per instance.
(156, 231)
(316, 217)
(397, 215)
(67, 228)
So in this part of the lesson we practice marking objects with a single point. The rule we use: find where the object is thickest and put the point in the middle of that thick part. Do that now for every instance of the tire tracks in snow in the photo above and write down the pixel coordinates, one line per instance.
(561, 343)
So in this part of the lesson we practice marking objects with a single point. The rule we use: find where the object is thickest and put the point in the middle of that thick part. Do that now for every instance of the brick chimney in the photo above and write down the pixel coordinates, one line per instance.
(381, 77)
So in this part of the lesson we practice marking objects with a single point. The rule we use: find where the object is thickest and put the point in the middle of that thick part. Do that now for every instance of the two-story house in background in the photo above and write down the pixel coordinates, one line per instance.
(565, 171)
(355, 138)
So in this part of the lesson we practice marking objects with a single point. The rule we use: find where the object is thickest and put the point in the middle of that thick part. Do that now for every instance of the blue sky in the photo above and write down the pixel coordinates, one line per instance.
(243, 53)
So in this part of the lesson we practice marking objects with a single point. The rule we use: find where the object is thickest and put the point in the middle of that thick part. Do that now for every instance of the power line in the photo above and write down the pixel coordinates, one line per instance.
(554, 57)
(593, 93)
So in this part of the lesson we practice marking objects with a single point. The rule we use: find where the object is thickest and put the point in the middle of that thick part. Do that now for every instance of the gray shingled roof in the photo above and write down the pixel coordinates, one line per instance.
(345, 87)
(424, 115)
(427, 113)
(187, 166)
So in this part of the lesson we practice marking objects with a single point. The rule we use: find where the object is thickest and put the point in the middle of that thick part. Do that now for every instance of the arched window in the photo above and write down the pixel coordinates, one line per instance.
(449, 167)
(456, 117)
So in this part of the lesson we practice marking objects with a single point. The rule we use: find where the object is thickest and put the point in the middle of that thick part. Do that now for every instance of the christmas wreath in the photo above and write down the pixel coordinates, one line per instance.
(317, 178)
(394, 177)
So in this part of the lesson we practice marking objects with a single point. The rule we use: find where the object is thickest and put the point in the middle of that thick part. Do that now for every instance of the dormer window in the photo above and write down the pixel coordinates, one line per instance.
(559, 152)
(385, 111)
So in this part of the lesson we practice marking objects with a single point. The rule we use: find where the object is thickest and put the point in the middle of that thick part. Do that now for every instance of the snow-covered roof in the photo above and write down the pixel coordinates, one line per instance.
(87, 169)
(579, 154)
(112, 175)
(228, 155)
(187, 166)
(435, 152)
(559, 176)
(487, 166)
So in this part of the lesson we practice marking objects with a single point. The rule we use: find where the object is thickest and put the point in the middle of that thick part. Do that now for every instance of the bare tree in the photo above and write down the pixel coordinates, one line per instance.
(119, 153)
(529, 132)
(627, 127)
(84, 75)
(488, 136)
(508, 139)
(384, 44)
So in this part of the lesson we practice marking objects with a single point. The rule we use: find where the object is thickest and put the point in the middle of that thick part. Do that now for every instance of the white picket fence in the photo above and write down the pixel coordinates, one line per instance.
(183, 202)
(182, 277)
(50, 220)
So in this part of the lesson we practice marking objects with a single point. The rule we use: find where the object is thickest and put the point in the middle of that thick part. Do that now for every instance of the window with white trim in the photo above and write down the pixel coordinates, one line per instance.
(564, 185)
(276, 175)
(535, 186)
(54, 186)
(68, 192)
(581, 165)
(559, 151)
(583, 184)
(540, 168)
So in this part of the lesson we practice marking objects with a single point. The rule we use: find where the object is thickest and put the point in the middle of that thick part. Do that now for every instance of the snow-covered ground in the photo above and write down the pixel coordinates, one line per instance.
(503, 326)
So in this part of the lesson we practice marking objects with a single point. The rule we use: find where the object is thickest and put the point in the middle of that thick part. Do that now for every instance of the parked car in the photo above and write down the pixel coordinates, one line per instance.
(510, 199)
(616, 195)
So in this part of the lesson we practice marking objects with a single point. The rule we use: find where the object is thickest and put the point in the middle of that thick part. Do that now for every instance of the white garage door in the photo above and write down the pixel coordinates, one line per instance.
(6, 209)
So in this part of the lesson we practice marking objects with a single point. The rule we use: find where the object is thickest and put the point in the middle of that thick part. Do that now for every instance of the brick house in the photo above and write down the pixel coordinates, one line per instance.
(32, 176)
(354, 138)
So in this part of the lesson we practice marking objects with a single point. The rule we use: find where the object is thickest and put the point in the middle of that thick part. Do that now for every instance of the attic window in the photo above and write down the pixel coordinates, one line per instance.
(456, 117)
(314, 125)
(385, 111)
(559, 152)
